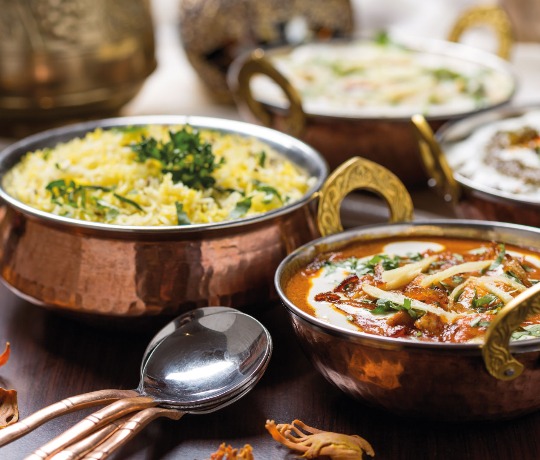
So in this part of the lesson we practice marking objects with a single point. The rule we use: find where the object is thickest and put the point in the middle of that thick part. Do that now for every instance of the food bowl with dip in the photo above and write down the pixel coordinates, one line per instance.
(156, 215)
(422, 319)
(487, 165)
(356, 97)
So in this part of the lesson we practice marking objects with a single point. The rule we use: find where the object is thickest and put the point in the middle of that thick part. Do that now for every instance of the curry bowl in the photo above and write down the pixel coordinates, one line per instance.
(112, 270)
(451, 376)
(356, 97)
(487, 164)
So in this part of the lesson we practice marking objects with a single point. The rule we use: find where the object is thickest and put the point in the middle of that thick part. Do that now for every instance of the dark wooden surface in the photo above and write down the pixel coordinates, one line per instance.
(54, 357)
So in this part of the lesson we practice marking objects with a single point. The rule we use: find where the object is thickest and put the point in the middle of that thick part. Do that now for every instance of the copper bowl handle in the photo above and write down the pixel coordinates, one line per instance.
(361, 174)
(497, 358)
(434, 161)
(492, 16)
(257, 63)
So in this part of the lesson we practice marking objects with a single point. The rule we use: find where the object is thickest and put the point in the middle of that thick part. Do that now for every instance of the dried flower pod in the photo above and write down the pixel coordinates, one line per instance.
(226, 452)
(9, 409)
(5, 355)
(314, 443)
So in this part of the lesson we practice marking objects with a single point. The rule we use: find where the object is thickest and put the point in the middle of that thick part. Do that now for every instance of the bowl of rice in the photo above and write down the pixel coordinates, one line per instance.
(155, 215)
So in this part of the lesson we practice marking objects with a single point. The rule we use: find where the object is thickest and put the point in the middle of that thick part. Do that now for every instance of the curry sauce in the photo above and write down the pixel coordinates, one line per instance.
(436, 289)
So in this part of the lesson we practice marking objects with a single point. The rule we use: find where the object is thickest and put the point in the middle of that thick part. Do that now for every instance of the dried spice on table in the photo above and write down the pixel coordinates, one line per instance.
(9, 410)
(227, 452)
(314, 443)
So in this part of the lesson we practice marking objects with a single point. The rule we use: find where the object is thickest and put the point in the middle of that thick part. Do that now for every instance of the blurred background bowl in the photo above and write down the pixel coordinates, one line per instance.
(447, 152)
(386, 139)
(215, 32)
(71, 60)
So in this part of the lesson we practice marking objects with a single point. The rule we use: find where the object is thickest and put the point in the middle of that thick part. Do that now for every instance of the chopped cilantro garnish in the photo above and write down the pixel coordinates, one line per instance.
(242, 207)
(181, 215)
(188, 159)
(500, 257)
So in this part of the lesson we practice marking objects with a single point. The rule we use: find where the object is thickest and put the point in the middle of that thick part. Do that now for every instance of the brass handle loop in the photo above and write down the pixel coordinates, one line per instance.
(255, 64)
(492, 16)
(497, 358)
(434, 161)
(361, 174)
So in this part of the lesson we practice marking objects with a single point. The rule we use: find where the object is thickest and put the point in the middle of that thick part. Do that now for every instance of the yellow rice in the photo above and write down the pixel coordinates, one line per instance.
(104, 158)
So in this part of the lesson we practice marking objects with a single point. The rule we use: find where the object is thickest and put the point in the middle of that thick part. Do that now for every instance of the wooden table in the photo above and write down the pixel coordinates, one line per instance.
(54, 357)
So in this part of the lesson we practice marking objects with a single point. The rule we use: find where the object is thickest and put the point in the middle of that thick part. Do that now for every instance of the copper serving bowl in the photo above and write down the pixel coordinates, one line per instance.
(452, 381)
(387, 140)
(471, 199)
(104, 270)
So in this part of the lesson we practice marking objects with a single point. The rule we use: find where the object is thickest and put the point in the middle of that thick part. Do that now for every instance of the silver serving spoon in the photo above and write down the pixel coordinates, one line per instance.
(201, 362)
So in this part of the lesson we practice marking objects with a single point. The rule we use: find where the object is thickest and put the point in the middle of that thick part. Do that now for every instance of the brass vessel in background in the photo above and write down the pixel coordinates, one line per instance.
(68, 60)
(215, 32)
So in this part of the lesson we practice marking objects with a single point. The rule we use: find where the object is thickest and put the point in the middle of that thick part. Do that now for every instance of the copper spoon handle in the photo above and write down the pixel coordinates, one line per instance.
(92, 423)
(129, 429)
(65, 406)
(81, 448)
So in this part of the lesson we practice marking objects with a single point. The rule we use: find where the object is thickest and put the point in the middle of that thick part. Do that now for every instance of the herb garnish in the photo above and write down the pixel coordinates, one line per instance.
(181, 215)
(128, 201)
(242, 207)
(188, 159)
(75, 195)
(71, 193)
(382, 38)
(262, 158)
(387, 306)
(270, 192)
(500, 257)
(485, 302)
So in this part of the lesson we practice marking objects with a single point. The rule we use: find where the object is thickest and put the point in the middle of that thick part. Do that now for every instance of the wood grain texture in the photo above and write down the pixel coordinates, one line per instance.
(54, 357)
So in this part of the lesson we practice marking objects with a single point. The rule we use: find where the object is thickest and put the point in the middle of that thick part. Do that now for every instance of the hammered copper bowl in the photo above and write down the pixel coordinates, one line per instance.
(387, 140)
(425, 379)
(470, 199)
(103, 270)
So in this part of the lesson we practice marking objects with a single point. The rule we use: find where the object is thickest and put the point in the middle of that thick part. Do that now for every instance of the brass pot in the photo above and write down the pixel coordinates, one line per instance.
(470, 199)
(71, 60)
(426, 379)
(104, 270)
(387, 140)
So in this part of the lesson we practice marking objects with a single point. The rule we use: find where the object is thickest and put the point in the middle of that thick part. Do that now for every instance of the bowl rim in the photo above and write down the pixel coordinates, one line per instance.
(281, 142)
(414, 43)
(479, 120)
(397, 229)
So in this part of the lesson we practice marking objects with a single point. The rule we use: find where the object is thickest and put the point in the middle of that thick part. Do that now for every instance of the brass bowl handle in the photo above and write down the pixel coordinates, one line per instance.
(497, 358)
(257, 63)
(492, 16)
(361, 174)
(434, 161)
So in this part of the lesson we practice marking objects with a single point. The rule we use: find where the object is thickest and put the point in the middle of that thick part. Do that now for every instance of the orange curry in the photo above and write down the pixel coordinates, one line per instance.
(436, 289)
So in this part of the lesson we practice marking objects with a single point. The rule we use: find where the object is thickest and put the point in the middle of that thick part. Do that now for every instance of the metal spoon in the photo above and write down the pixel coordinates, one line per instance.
(201, 362)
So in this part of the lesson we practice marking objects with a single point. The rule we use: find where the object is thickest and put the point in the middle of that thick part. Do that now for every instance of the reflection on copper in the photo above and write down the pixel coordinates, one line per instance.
(382, 373)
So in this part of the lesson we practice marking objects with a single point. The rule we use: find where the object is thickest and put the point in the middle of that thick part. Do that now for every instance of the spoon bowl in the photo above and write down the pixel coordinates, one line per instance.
(203, 357)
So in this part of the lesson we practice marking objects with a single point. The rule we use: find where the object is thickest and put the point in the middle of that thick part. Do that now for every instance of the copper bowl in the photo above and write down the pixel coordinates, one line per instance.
(426, 379)
(104, 270)
(470, 199)
(387, 140)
